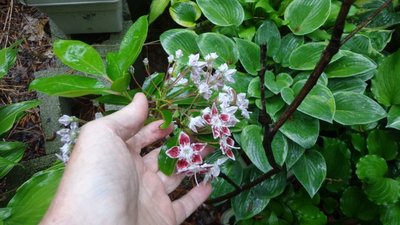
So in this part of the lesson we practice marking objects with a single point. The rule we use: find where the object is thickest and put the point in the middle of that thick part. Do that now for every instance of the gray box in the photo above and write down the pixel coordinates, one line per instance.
(82, 16)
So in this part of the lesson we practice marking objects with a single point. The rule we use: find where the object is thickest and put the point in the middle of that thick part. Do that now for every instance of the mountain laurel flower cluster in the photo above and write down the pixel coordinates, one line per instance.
(212, 83)
(68, 136)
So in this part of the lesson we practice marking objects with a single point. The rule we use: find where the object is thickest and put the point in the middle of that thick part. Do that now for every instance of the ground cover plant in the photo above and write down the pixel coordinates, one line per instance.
(296, 100)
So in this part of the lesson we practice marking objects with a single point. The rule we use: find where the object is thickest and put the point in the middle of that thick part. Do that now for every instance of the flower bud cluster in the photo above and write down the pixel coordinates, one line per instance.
(68, 136)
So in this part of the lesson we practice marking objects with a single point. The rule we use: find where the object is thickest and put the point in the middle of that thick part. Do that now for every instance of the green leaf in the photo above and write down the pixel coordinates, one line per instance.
(288, 44)
(319, 103)
(157, 7)
(165, 163)
(79, 56)
(253, 89)
(34, 197)
(379, 38)
(311, 215)
(224, 47)
(152, 83)
(295, 152)
(175, 39)
(242, 82)
(300, 128)
(233, 170)
(249, 55)
(247, 33)
(383, 144)
(252, 144)
(371, 168)
(253, 201)
(132, 43)
(280, 148)
(268, 34)
(278, 82)
(185, 13)
(354, 203)
(385, 83)
(305, 16)
(350, 64)
(221, 12)
(113, 70)
(121, 84)
(390, 214)
(167, 117)
(383, 191)
(66, 85)
(310, 171)
(8, 56)
(353, 108)
(10, 113)
(274, 105)
(335, 151)
(10, 154)
(349, 84)
(394, 117)
(307, 56)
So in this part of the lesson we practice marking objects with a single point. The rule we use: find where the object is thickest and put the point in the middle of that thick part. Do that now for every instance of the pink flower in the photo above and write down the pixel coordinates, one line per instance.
(187, 154)
(219, 122)
(226, 144)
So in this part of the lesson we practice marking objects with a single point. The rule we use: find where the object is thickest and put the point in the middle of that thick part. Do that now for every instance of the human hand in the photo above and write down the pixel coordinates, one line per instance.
(108, 182)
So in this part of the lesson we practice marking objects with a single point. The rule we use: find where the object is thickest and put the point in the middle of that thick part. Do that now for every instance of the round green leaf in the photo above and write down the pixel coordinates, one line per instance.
(33, 198)
(310, 171)
(268, 34)
(305, 16)
(179, 39)
(394, 117)
(79, 56)
(295, 152)
(319, 103)
(222, 12)
(301, 128)
(335, 151)
(253, 89)
(249, 55)
(311, 215)
(185, 13)
(370, 168)
(350, 64)
(307, 56)
(224, 47)
(390, 214)
(353, 108)
(278, 82)
(383, 144)
(383, 191)
(251, 142)
(274, 104)
(289, 43)
(354, 203)
(385, 83)
(68, 86)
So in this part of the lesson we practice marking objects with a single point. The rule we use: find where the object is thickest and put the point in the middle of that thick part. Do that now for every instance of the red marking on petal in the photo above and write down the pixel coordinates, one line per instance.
(216, 132)
(198, 147)
(230, 154)
(214, 110)
(207, 118)
(230, 142)
(182, 164)
(173, 152)
(184, 139)
(196, 159)
(224, 117)
(225, 131)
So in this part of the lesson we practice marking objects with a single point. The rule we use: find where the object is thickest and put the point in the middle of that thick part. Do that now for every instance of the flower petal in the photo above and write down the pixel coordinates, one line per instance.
(230, 154)
(196, 159)
(214, 110)
(198, 147)
(173, 152)
(225, 131)
(224, 117)
(184, 139)
(182, 164)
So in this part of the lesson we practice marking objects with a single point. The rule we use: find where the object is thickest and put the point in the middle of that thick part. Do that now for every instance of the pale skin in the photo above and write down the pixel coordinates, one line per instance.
(107, 181)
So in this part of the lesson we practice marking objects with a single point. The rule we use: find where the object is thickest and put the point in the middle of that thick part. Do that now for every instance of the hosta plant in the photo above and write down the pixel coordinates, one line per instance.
(295, 102)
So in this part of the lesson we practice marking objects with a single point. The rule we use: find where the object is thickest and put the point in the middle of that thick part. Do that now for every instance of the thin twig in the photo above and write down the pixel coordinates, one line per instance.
(329, 52)
(366, 21)
(229, 180)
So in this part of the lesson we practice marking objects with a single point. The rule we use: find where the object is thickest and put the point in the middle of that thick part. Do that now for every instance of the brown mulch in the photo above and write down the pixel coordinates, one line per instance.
(29, 26)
